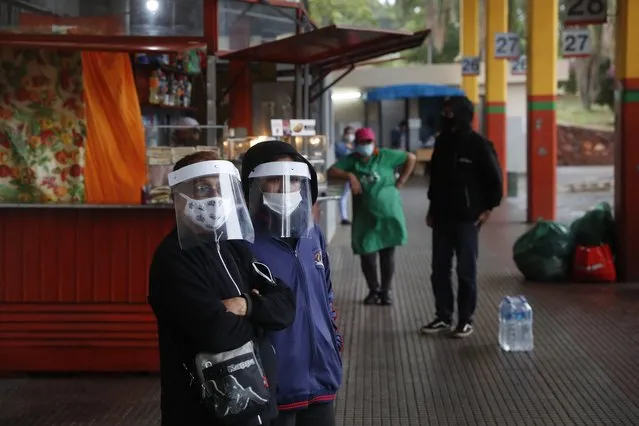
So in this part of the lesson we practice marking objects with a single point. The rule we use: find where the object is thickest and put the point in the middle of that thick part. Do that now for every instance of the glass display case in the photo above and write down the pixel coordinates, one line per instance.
(313, 148)
(160, 161)
(233, 149)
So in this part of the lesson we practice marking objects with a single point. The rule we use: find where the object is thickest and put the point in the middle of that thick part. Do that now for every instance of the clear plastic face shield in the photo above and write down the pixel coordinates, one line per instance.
(280, 198)
(209, 204)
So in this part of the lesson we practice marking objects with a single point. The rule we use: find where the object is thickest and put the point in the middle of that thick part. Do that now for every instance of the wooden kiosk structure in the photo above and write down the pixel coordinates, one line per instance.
(73, 274)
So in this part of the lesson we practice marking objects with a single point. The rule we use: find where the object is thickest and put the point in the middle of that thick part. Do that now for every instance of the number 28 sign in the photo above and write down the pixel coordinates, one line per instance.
(581, 12)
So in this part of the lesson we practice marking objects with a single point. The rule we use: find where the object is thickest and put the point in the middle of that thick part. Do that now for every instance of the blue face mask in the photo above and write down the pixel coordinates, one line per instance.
(365, 150)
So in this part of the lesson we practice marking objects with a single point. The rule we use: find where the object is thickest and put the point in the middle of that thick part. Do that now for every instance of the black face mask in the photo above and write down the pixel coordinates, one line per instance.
(448, 123)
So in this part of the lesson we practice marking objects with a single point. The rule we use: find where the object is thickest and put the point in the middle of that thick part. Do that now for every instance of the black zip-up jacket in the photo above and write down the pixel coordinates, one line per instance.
(186, 289)
(465, 176)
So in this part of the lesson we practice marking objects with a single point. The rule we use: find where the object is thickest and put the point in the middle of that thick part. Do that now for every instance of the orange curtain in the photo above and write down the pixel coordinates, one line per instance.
(115, 169)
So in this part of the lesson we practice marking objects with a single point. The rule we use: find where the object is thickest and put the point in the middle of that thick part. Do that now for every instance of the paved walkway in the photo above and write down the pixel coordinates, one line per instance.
(584, 369)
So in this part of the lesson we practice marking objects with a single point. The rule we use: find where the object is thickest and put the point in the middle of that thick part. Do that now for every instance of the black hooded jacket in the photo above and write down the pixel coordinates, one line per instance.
(186, 290)
(465, 176)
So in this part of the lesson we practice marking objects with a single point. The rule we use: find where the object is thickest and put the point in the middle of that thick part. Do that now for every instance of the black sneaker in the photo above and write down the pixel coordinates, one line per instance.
(436, 326)
(385, 298)
(372, 298)
(463, 329)
(346, 222)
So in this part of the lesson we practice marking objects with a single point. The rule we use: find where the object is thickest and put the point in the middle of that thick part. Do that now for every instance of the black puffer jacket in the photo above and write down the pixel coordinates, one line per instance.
(186, 289)
(465, 176)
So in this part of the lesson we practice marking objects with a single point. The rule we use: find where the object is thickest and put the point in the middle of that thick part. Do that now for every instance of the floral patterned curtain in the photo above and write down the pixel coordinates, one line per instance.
(42, 126)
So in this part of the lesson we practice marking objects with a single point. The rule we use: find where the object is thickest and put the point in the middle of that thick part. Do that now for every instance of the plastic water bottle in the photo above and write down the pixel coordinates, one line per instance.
(506, 324)
(515, 324)
(525, 324)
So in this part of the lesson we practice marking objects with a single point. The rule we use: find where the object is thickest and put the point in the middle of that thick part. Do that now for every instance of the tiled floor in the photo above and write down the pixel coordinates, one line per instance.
(584, 369)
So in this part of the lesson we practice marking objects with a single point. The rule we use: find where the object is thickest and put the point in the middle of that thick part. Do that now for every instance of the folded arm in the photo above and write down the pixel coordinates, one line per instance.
(272, 307)
(179, 294)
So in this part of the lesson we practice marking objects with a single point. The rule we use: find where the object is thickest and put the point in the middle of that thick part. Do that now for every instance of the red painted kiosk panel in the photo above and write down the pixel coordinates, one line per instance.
(73, 286)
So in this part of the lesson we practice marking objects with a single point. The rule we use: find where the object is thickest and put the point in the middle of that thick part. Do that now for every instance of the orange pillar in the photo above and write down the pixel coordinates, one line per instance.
(240, 96)
(496, 83)
(541, 81)
(627, 148)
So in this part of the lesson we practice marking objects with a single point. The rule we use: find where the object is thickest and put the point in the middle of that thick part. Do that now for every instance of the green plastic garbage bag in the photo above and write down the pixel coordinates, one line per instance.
(595, 227)
(543, 252)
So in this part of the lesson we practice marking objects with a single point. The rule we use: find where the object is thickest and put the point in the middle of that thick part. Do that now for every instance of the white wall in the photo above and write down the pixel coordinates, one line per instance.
(446, 74)
(369, 77)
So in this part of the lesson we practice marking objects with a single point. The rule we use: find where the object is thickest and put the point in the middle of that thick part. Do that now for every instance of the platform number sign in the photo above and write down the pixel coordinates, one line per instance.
(506, 46)
(576, 43)
(581, 12)
(519, 66)
(470, 65)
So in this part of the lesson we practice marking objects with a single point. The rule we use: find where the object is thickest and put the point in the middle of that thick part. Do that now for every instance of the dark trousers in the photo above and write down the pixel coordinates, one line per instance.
(387, 268)
(458, 239)
(314, 415)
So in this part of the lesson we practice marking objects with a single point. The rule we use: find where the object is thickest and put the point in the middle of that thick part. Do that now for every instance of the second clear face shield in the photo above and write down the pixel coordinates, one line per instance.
(280, 198)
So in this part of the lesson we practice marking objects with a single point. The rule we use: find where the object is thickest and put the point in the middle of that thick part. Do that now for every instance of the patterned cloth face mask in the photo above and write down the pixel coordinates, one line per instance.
(209, 213)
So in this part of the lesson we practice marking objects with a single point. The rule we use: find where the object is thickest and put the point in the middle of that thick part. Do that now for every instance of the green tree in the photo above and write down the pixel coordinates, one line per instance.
(344, 12)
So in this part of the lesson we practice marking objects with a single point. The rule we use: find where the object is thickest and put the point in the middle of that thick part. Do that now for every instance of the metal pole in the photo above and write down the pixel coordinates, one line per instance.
(306, 95)
(406, 118)
(127, 16)
(380, 118)
(298, 110)
(211, 95)
(367, 112)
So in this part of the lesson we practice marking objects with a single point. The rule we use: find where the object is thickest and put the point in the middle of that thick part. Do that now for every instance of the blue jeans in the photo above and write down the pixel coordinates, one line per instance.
(343, 202)
(455, 239)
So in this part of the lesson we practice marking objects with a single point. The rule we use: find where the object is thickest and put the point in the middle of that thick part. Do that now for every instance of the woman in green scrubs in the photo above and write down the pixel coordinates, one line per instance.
(378, 215)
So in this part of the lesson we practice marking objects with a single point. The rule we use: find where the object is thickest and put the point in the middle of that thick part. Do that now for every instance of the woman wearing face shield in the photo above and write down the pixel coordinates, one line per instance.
(281, 188)
(378, 216)
(214, 303)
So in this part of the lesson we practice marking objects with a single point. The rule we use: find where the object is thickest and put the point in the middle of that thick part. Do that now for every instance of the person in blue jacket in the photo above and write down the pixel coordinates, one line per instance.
(280, 186)
(343, 148)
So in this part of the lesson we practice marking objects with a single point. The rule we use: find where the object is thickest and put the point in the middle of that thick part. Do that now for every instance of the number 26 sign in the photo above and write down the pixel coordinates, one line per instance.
(506, 46)
(470, 65)
(581, 12)
(576, 43)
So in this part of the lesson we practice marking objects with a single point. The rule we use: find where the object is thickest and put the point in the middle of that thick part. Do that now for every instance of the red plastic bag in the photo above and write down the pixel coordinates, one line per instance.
(594, 264)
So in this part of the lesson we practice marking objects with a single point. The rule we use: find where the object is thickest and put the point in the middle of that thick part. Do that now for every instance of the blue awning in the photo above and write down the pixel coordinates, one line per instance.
(410, 91)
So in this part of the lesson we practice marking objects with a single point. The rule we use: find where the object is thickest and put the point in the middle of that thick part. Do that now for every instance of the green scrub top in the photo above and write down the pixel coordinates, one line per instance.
(378, 213)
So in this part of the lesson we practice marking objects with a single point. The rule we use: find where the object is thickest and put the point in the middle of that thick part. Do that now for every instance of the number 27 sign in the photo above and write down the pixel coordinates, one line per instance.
(506, 46)
(576, 43)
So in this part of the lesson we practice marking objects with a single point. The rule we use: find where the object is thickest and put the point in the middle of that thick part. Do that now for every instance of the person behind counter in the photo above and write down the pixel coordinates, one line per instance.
(281, 188)
(213, 303)
(378, 215)
(188, 134)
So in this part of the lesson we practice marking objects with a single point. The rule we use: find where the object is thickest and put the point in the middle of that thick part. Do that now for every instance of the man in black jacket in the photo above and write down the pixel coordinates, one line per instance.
(465, 185)
(206, 293)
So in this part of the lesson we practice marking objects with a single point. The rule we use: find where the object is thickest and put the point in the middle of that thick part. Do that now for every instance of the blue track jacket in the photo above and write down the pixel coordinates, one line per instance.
(308, 352)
